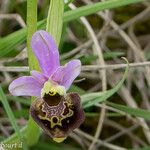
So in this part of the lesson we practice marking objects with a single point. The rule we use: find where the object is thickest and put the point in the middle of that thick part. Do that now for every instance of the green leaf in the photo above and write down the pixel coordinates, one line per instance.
(92, 98)
(144, 148)
(90, 9)
(51, 146)
(132, 111)
(110, 55)
(107, 55)
(22, 113)
(2, 138)
(11, 41)
(20, 100)
(77, 89)
(55, 19)
(88, 59)
(11, 116)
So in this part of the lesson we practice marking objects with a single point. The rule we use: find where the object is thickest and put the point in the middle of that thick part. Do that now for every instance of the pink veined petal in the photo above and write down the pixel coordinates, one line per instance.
(65, 75)
(41, 78)
(25, 86)
(58, 75)
(46, 51)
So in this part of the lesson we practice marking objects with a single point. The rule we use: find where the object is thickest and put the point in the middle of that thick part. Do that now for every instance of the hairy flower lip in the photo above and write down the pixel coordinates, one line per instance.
(67, 126)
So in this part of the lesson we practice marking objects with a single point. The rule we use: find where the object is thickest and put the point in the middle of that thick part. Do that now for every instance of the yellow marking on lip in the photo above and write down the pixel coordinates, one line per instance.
(52, 123)
(59, 119)
(59, 140)
(52, 90)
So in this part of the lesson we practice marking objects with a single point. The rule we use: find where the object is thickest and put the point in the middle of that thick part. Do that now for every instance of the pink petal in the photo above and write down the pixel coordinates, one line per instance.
(25, 86)
(39, 77)
(46, 51)
(58, 75)
(65, 75)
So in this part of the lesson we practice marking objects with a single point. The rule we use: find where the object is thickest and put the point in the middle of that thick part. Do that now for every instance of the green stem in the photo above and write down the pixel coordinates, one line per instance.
(54, 26)
(33, 131)
(31, 28)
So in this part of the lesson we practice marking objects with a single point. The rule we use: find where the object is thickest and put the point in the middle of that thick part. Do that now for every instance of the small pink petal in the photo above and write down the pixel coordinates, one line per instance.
(58, 75)
(65, 75)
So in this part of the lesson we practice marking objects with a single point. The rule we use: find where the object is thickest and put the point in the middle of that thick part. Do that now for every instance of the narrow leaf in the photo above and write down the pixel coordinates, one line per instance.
(10, 114)
(55, 19)
(137, 112)
(92, 8)
(92, 98)
(11, 41)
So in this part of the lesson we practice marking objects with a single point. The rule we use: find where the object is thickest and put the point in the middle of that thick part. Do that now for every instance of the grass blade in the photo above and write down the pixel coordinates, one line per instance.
(10, 115)
(132, 111)
(90, 9)
(11, 41)
(55, 19)
(92, 98)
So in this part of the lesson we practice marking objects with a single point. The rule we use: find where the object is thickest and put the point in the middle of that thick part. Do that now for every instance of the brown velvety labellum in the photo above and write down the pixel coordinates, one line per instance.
(58, 115)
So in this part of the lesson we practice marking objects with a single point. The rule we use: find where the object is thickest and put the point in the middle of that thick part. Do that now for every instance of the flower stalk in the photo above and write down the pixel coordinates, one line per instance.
(54, 27)
(31, 28)
(33, 131)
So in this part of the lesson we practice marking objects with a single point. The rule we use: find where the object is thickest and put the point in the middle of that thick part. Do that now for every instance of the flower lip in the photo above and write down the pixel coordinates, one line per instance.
(66, 122)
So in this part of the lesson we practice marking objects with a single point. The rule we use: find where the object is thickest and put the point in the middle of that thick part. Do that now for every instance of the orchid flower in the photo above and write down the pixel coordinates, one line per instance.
(55, 111)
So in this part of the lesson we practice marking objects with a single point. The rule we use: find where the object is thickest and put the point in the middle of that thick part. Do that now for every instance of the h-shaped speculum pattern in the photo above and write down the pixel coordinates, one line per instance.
(57, 112)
